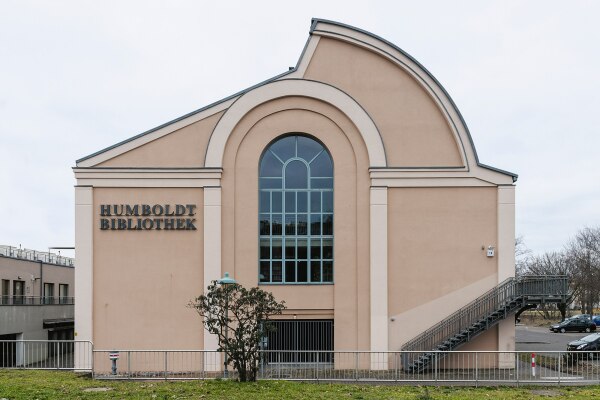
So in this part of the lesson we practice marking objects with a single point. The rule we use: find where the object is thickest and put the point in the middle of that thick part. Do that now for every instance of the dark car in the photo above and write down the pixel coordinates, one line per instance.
(574, 325)
(585, 347)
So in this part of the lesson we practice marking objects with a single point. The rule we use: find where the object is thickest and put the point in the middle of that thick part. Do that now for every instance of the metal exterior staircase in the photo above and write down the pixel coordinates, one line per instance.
(480, 315)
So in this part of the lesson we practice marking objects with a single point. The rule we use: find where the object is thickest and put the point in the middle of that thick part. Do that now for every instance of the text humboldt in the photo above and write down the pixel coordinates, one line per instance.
(140, 217)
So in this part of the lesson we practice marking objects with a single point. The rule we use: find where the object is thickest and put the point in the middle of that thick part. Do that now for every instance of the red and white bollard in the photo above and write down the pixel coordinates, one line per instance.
(533, 364)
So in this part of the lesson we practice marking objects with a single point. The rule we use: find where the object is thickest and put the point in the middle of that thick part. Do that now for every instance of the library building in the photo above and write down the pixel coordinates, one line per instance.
(348, 186)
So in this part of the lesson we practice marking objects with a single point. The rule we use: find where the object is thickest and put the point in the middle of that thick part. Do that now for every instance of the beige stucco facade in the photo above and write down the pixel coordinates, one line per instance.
(414, 210)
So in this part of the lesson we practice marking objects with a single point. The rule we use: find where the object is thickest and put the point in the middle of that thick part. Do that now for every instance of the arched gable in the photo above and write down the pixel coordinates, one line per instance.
(295, 87)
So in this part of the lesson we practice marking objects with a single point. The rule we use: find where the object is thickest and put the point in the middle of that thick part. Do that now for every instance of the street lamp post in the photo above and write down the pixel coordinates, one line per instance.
(226, 280)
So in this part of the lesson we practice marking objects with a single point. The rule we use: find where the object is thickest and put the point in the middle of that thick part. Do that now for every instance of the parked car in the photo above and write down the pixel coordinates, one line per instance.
(596, 320)
(581, 316)
(574, 325)
(586, 346)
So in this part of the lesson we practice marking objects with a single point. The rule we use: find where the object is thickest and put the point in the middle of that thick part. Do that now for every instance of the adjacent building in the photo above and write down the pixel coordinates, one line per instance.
(36, 300)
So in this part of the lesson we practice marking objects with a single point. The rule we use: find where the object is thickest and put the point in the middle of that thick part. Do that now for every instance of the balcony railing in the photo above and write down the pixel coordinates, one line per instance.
(35, 301)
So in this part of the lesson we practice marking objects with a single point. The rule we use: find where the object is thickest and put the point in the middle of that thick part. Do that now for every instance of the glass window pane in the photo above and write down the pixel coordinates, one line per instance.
(276, 224)
(321, 183)
(276, 249)
(265, 224)
(276, 273)
(315, 271)
(302, 271)
(327, 224)
(322, 166)
(315, 201)
(290, 248)
(327, 201)
(265, 249)
(284, 148)
(315, 224)
(301, 205)
(290, 224)
(302, 224)
(290, 271)
(296, 175)
(327, 271)
(265, 201)
(270, 165)
(265, 271)
(327, 249)
(302, 249)
(276, 202)
(308, 148)
(290, 202)
(271, 183)
(315, 249)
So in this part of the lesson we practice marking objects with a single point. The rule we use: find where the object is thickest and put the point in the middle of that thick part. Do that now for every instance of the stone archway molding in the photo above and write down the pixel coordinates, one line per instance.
(295, 87)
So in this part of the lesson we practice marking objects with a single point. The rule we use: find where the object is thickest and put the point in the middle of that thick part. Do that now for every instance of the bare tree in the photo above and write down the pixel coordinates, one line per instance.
(522, 255)
(583, 255)
(552, 263)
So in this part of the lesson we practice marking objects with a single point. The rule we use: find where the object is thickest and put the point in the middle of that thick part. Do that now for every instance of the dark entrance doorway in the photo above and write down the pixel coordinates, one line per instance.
(301, 341)
(18, 292)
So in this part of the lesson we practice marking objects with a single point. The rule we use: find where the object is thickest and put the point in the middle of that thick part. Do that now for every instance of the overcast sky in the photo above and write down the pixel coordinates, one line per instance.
(78, 76)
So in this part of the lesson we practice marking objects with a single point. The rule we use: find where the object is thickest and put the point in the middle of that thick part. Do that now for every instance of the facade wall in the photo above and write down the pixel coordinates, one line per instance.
(413, 130)
(184, 148)
(346, 301)
(414, 211)
(437, 257)
(143, 280)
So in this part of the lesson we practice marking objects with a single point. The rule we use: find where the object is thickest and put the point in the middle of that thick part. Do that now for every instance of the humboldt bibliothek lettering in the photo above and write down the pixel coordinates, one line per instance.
(139, 217)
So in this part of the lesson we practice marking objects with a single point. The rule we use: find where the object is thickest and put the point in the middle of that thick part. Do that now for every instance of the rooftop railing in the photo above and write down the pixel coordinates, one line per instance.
(34, 255)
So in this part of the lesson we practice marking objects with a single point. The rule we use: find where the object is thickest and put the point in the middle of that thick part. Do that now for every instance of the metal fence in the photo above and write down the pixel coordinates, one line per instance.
(46, 354)
(457, 367)
(35, 300)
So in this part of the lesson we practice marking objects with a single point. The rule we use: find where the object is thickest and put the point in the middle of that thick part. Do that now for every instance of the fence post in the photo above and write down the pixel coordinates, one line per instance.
(435, 366)
(559, 366)
(476, 370)
(92, 360)
(165, 365)
(356, 366)
(517, 366)
(318, 354)
(129, 364)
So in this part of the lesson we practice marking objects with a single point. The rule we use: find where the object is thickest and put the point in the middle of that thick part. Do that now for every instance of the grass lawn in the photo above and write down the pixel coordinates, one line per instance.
(30, 385)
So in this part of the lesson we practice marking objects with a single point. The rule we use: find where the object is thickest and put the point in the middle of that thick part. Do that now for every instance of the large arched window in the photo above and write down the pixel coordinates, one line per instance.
(296, 212)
